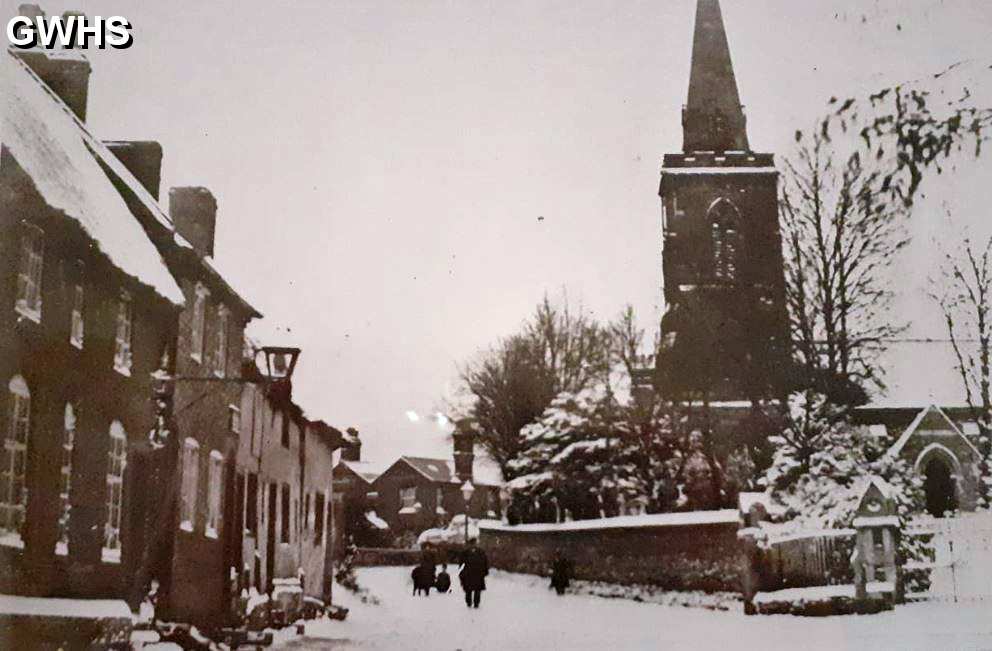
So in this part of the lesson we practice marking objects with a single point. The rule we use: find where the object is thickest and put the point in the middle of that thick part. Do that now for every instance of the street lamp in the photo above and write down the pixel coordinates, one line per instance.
(467, 490)
(280, 361)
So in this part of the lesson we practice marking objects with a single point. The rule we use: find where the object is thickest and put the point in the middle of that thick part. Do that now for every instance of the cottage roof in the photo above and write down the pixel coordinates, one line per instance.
(64, 160)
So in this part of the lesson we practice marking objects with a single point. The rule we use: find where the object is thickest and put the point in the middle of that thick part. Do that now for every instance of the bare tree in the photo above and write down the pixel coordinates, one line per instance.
(841, 233)
(509, 386)
(963, 293)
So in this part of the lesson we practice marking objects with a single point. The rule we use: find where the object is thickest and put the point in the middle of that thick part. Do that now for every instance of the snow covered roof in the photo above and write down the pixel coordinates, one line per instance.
(876, 521)
(723, 516)
(443, 471)
(373, 518)
(439, 470)
(62, 158)
(367, 470)
(920, 419)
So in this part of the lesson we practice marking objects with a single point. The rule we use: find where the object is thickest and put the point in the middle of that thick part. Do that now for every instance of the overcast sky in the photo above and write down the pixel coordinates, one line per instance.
(381, 167)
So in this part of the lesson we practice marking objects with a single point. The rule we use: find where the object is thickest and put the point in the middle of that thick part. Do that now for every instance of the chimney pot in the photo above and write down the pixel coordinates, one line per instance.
(353, 450)
(464, 453)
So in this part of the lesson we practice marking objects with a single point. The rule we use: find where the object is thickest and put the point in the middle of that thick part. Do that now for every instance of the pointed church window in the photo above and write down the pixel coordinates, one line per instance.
(725, 225)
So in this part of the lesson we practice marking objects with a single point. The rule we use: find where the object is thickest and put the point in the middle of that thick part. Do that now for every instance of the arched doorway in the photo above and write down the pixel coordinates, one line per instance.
(939, 487)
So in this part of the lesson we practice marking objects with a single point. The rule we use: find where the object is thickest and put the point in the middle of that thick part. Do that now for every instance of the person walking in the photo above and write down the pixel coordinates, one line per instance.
(561, 573)
(475, 568)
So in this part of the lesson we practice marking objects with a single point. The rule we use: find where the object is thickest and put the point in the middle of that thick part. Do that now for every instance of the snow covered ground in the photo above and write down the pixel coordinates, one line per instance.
(519, 612)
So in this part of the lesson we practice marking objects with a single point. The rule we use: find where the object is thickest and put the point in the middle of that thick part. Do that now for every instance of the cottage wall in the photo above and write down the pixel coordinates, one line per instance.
(58, 372)
(315, 540)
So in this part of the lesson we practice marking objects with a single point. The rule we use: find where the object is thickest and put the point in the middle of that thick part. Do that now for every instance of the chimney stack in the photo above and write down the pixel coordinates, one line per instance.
(352, 451)
(194, 212)
(464, 450)
(143, 158)
(66, 72)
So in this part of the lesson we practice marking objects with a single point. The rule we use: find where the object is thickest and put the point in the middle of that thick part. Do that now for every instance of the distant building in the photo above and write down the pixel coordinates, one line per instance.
(355, 499)
(417, 493)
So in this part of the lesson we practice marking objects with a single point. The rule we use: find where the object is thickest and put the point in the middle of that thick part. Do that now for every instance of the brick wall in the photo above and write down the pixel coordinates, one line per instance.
(693, 551)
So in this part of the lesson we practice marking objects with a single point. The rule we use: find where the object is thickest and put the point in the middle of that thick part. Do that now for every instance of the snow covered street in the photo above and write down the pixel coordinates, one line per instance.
(520, 612)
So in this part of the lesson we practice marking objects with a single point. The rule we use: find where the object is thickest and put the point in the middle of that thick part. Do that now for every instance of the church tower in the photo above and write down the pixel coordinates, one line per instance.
(725, 328)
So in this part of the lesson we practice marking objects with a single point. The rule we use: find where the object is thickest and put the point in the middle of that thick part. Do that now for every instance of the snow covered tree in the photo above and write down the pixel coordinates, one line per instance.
(561, 348)
(822, 464)
(575, 454)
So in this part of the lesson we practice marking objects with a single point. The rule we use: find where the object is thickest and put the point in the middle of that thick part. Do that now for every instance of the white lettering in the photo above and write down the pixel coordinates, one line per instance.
(54, 30)
(119, 32)
(84, 30)
(20, 37)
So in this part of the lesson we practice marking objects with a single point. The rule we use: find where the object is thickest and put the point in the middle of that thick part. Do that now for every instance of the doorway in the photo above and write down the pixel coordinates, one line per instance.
(270, 540)
(939, 487)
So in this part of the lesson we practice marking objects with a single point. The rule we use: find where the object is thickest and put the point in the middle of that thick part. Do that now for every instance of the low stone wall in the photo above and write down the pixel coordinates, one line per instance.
(675, 551)
(44, 623)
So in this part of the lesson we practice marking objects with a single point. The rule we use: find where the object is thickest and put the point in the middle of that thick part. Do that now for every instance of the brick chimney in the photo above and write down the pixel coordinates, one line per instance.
(194, 212)
(464, 451)
(143, 158)
(352, 450)
(66, 72)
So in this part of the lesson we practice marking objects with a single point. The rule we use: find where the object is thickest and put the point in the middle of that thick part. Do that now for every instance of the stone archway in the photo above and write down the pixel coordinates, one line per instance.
(940, 471)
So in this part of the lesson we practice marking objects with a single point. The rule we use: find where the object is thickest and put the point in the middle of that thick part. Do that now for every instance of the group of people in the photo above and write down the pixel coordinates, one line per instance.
(471, 575)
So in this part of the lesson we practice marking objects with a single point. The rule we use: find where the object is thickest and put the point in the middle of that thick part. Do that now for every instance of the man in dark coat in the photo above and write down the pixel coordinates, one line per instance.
(475, 567)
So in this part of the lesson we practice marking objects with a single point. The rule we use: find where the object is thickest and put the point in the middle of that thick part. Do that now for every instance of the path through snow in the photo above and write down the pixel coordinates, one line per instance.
(519, 612)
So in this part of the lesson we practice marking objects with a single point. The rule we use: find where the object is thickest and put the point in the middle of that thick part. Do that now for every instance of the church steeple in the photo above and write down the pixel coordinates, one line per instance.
(713, 118)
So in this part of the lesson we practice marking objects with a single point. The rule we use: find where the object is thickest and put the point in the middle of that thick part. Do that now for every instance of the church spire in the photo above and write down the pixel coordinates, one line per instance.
(713, 118)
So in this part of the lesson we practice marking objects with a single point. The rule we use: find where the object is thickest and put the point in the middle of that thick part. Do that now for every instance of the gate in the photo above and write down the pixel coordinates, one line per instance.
(962, 567)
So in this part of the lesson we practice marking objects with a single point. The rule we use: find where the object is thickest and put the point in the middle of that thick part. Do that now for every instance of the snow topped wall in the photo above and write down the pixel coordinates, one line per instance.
(676, 551)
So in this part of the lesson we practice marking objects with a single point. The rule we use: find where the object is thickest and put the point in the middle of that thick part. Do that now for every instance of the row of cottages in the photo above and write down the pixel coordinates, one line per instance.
(411, 494)
(121, 350)
(282, 521)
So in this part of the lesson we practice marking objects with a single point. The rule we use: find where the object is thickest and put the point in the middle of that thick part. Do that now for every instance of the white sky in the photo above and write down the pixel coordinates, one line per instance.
(381, 166)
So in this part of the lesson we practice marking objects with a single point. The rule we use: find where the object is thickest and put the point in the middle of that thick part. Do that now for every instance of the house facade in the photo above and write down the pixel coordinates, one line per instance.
(88, 308)
(418, 493)
(355, 499)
